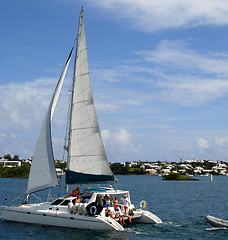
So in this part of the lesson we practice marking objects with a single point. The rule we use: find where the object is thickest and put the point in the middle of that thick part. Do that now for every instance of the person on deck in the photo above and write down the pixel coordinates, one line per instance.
(116, 203)
(106, 200)
(78, 200)
(126, 214)
(120, 216)
(75, 192)
(109, 213)
(126, 203)
(99, 203)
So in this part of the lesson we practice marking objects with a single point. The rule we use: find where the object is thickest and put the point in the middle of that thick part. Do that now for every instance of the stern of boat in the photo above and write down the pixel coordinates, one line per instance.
(112, 223)
(143, 216)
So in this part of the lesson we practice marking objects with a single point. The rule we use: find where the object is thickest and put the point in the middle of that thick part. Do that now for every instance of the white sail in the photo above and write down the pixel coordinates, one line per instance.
(42, 174)
(87, 159)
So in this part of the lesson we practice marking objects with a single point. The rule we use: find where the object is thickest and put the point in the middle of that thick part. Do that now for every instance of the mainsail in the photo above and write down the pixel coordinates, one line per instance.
(87, 159)
(42, 174)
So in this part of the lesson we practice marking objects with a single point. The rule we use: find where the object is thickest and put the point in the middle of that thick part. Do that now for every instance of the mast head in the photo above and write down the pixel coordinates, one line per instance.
(82, 10)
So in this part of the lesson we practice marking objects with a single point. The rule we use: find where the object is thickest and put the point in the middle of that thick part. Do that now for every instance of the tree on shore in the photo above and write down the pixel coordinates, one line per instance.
(10, 158)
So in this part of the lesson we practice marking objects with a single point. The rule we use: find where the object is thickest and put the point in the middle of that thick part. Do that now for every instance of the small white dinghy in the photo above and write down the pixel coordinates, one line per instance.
(216, 222)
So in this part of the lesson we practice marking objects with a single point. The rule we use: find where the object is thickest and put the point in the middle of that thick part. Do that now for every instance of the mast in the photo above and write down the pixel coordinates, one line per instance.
(72, 95)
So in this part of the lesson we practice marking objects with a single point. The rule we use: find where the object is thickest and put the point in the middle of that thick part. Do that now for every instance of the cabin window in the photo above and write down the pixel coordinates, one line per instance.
(86, 199)
(65, 202)
(57, 202)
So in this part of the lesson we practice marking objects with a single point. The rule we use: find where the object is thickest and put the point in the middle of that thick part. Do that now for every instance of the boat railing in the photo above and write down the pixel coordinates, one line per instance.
(12, 201)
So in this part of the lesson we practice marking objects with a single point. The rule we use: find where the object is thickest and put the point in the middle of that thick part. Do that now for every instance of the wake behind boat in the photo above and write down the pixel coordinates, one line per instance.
(217, 222)
(95, 208)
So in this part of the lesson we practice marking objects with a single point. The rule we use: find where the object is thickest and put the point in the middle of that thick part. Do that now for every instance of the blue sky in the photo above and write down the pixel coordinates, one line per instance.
(159, 72)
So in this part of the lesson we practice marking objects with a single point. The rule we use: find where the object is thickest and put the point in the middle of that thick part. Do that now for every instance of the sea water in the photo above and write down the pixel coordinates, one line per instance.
(182, 205)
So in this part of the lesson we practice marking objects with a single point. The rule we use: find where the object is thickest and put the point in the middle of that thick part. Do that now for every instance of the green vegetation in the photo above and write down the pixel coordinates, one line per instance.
(23, 170)
(61, 165)
(10, 158)
(125, 169)
(176, 177)
(15, 172)
(176, 169)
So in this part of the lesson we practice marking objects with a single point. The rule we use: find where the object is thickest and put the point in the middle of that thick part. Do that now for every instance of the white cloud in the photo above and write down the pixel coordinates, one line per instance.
(122, 137)
(202, 143)
(172, 72)
(22, 103)
(188, 77)
(119, 144)
(152, 15)
(179, 56)
(221, 141)
(23, 106)
(105, 134)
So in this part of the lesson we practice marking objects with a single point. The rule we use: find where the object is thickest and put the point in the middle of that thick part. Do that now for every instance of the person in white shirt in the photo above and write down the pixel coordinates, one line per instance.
(126, 203)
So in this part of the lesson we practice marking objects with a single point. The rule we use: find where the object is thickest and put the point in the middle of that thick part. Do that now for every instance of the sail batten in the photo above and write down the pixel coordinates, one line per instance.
(87, 159)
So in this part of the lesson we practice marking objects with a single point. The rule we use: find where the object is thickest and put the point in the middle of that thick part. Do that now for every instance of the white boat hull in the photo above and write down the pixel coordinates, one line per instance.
(60, 219)
(40, 214)
(216, 222)
(66, 212)
(147, 217)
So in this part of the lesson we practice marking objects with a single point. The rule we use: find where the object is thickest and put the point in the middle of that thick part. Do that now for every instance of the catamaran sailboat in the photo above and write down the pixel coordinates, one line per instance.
(86, 164)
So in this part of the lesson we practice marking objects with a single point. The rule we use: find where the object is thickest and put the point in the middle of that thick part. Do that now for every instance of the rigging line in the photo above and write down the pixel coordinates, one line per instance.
(97, 125)
(75, 129)
(16, 198)
(88, 136)
(81, 75)
(81, 94)
(36, 197)
(66, 140)
(84, 101)
(82, 50)
(83, 89)
(87, 120)
(86, 155)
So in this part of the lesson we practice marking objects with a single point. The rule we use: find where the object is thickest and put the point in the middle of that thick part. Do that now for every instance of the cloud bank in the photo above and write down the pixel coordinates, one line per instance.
(153, 15)
(138, 103)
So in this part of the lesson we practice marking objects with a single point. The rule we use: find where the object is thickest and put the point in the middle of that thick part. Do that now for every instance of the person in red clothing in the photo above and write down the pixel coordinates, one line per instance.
(75, 192)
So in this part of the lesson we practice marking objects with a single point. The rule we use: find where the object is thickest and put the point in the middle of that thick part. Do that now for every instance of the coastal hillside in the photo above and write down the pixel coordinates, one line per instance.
(14, 167)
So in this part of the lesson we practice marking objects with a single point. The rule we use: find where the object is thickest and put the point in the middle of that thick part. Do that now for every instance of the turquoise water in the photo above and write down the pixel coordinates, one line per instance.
(181, 205)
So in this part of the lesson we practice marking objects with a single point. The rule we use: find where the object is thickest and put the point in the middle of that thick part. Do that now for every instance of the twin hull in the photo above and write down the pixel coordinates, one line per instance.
(40, 214)
(60, 219)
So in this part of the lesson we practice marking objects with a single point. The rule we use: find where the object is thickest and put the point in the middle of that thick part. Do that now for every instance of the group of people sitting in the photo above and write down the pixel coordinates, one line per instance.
(118, 214)
(106, 201)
